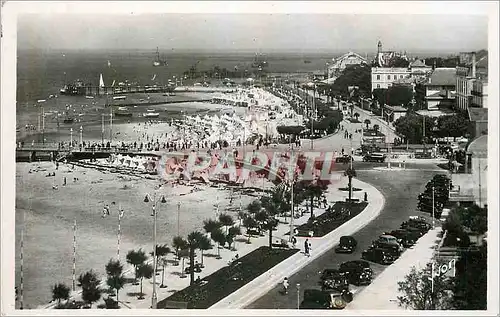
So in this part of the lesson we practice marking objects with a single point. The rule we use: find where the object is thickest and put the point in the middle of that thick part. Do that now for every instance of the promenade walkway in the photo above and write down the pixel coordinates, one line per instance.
(176, 281)
(382, 293)
(268, 280)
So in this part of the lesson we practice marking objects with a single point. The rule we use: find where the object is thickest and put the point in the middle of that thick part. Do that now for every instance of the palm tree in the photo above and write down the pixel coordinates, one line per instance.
(261, 217)
(367, 122)
(60, 291)
(273, 206)
(312, 189)
(350, 172)
(89, 282)
(356, 116)
(144, 271)
(178, 243)
(233, 233)
(249, 222)
(376, 128)
(161, 253)
(193, 240)
(220, 238)
(241, 216)
(136, 258)
(210, 225)
(116, 280)
(205, 244)
(254, 207)
(226, 220)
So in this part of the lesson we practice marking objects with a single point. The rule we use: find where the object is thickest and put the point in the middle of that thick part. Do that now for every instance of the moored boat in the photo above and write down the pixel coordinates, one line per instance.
(151, 114)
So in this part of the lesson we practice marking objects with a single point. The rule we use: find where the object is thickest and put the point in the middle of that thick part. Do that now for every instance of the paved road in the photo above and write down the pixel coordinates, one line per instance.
(400, 190)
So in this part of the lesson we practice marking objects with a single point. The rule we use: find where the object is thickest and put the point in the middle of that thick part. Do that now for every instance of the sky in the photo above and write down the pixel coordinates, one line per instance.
(254, 32)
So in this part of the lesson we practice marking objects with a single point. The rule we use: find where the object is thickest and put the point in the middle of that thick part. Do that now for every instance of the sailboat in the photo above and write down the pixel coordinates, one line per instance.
(101, 82)
(158, 61)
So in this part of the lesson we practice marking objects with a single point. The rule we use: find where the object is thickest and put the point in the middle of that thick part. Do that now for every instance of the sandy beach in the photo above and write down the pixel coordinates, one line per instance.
(50, 214)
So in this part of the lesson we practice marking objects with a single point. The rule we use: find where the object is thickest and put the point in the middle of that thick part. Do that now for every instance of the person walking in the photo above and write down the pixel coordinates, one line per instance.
(285, 286)
(307, 247)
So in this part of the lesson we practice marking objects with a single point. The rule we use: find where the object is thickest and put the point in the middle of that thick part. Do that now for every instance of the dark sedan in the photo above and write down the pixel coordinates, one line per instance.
(358, 272)
(379, 255)
(347, 244)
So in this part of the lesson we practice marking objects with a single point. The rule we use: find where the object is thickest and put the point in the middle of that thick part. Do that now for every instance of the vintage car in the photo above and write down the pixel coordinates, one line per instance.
(318, 299)
(332, 279)
(378, 255)
(374, 157)
(405, 238)
(347, 244)
(388, 242)
(417, 224)
(344, 159)
(358, 272)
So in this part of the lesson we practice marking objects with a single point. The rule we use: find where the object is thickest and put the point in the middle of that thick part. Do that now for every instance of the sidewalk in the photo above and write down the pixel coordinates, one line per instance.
(265, 282)
(382, 293)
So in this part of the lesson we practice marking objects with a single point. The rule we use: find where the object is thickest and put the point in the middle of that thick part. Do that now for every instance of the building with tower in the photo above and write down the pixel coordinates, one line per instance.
(388, 67)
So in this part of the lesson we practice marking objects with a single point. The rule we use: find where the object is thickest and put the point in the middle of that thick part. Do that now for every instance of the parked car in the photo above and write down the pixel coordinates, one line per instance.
(421, 226)
(358, 272)
(405, 238)
(374, 157)
(344, 159)
(332, 279)
(347, 244)
(389, 242)
(378, 255)
(318, 299)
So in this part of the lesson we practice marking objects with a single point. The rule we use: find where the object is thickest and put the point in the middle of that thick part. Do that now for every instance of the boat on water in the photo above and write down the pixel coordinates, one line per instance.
(151, 114)
(119, 97)
(260, 62)
(89, 97)
(307, 61)
(75, 89)
(158, 61)
(123, 114)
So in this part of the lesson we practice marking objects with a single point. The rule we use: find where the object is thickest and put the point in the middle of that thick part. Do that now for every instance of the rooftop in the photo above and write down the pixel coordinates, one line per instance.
(418, 63)
(442, 77)
(478, 114)
(396, 108)
(435, 113)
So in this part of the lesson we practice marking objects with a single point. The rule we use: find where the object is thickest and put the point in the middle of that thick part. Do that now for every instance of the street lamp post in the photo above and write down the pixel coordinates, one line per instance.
(298, 295)
(71, 137)
(81, 135)
(154, 213)
(433, 207)
(178, 217)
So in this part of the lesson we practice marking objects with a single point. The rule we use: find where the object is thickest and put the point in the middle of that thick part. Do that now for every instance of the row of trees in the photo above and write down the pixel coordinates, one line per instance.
(411, 127)
(396, 95)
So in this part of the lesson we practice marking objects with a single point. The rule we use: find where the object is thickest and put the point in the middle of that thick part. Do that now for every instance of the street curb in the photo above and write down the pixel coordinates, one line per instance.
(268, 280)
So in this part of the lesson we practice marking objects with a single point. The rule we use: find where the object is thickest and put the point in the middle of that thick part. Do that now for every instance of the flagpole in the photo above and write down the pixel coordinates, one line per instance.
(74, 256)
(21, 291)
(119, 231)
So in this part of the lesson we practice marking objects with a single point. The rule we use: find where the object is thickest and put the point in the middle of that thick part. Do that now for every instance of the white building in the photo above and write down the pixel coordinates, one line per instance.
(472, 81)
(384, 77)
(339, 64)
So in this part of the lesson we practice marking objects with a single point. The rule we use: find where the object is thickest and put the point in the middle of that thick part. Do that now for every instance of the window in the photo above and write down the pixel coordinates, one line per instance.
(400, 76)
(389, 77)
(378, 86)
(378, 77)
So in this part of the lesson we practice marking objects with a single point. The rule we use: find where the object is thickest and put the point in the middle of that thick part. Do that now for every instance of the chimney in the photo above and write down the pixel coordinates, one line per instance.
(473, 64)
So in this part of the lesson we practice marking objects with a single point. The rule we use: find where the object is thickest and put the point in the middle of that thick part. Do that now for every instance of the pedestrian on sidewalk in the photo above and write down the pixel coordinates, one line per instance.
(366, 196)
(307, 247)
